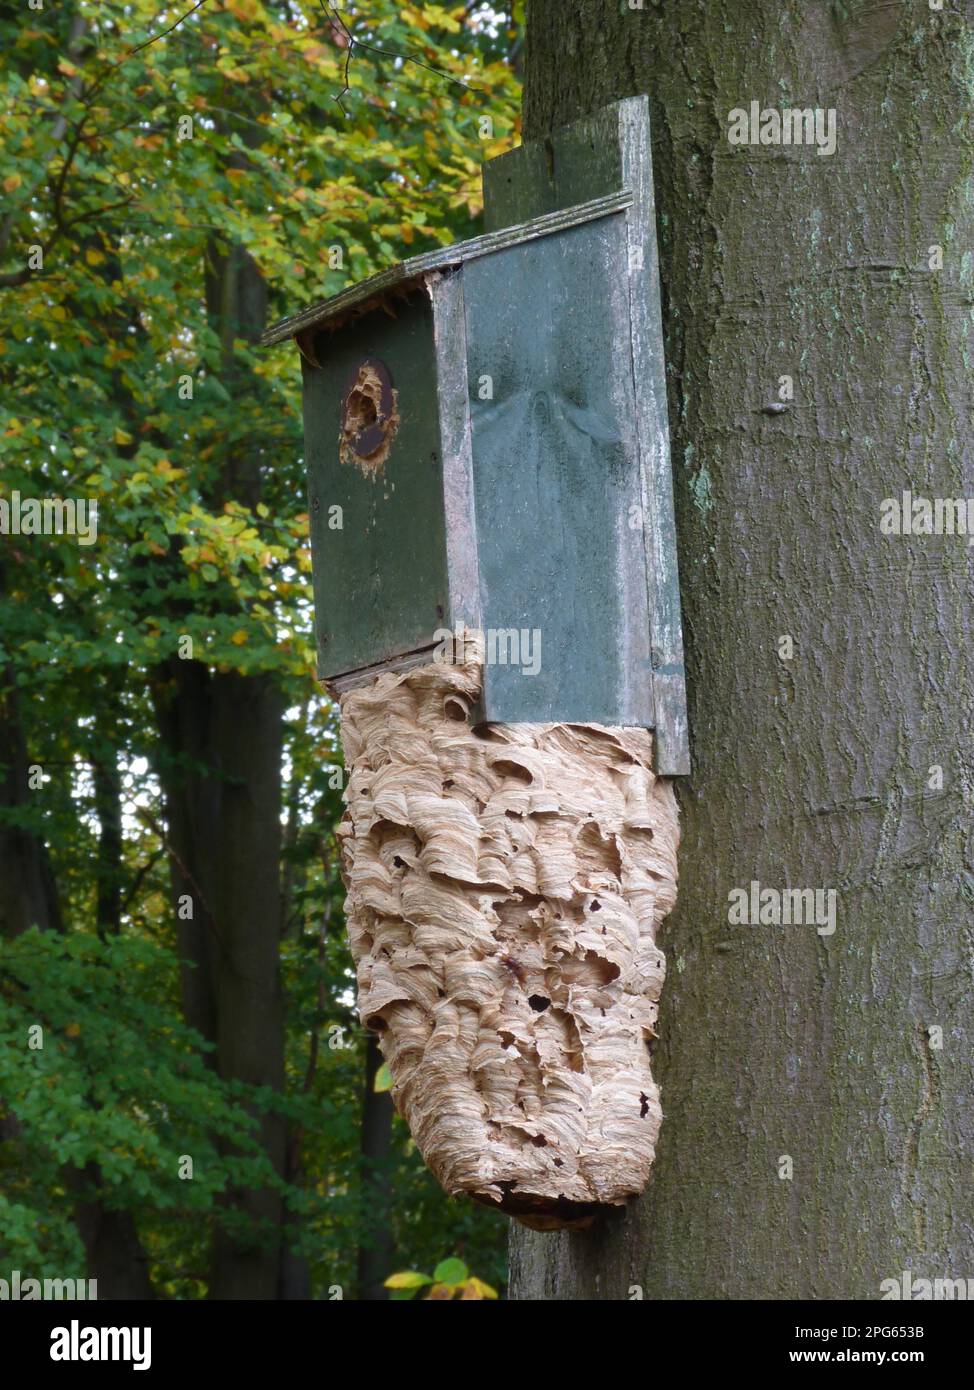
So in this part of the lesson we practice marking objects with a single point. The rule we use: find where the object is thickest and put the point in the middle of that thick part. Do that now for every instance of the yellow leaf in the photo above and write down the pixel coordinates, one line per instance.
(93, 257)
(122, 438)
(412, 15)
(444, 19)
(481, 1290)
(239, 637)
(11, 182)
(407, 1279)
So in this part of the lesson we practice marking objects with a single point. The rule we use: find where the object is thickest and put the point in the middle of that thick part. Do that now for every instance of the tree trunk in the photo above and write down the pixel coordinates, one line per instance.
(29, 898)
(222, 735)
(113, 1250)
(816, 771)
(221, 769)
(376, 1246)
(28, 895)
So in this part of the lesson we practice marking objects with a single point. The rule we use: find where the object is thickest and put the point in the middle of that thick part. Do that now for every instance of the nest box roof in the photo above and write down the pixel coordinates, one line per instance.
(407, 274)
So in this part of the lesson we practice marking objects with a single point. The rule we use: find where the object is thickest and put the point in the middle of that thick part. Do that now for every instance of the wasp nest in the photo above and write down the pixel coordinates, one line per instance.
(505, 884)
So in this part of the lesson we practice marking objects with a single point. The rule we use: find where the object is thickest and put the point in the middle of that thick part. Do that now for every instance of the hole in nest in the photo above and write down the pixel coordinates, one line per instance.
(643, 1106)
(538, 1002)
(455, 709)
(369, 418)
(360, 412)
(596, 905)
(399, 863)
(539, 1141)
(559, 1162)
(510, 769)
(488, 734)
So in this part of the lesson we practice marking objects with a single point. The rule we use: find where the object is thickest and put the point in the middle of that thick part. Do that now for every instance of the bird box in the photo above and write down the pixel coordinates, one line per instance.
(486, 447)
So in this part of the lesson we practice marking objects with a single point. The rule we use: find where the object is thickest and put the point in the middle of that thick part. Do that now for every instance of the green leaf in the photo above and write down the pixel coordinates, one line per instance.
(451, 1272)
(383, 1078)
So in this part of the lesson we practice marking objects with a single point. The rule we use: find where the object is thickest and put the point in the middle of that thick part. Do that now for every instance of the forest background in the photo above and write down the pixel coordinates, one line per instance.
(188, 1106)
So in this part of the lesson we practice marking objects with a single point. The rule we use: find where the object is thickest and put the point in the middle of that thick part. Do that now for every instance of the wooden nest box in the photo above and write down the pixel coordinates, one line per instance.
(487, 447)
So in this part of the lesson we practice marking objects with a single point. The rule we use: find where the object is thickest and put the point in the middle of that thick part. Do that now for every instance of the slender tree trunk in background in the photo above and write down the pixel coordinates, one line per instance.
(375, 1253)
(113, 1251)
(813, 771)
(107, 775)
(28, 897)
(224, 830)
(250, 1010)
(223, 735)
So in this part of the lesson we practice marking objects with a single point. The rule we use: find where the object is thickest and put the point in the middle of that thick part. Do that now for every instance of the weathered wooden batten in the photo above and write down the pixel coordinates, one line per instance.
(487, 447)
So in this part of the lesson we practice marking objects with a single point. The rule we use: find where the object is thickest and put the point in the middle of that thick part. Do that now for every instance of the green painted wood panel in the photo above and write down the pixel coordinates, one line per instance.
(557, 483)
(380, 582)
(608, 150)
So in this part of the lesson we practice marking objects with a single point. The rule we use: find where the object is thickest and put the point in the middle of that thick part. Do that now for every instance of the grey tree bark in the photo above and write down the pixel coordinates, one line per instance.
(820, 770)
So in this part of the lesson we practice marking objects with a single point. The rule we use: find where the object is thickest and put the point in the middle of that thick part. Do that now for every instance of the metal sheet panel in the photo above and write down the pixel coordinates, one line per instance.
(557, 483)
(380, 582)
